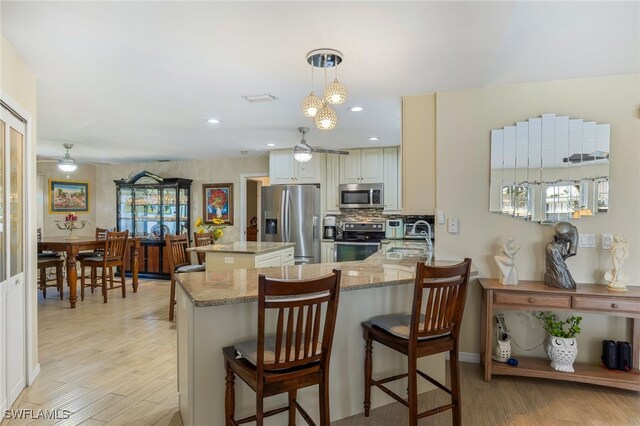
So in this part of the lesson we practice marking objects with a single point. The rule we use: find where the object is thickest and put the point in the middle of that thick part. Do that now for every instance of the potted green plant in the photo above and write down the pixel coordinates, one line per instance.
(562, 347)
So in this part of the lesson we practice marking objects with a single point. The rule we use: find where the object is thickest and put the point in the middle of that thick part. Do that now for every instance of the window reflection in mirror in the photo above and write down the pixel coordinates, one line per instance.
(549, 169)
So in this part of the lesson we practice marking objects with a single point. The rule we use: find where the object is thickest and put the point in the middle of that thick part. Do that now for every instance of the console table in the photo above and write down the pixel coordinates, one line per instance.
(535, 296)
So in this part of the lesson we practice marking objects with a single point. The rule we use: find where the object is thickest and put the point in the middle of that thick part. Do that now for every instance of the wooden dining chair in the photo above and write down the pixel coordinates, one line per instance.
(179, 261)
(46, 261)
(428, 330)
(113, 256)
(202, 239)
(296, 356)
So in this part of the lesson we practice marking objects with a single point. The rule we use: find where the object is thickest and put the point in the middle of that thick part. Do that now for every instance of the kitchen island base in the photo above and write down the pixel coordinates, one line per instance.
(204, 330)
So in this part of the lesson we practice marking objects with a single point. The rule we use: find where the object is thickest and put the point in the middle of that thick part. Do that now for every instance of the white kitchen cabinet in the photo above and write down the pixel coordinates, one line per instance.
(327, 252)
(332, 180)
(220, 261)
(391, 182)
(418, 181)
(362, 166)
(284, 169)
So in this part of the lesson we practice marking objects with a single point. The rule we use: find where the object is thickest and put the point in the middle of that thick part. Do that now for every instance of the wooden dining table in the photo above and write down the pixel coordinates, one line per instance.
(75, 246)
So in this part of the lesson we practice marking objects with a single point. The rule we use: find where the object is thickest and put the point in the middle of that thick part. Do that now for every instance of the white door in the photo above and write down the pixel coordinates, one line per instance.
(12, 267)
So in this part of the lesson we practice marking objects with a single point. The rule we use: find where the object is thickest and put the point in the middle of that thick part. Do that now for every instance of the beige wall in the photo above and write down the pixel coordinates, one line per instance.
(84, 173)
(19, 83)
(201, 171)
(464, 121)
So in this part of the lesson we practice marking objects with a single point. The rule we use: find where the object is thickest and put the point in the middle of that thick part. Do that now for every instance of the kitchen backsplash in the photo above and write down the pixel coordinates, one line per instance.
(366, 215)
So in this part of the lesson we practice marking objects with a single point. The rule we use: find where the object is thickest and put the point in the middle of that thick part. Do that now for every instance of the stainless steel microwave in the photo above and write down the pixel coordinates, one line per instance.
(361, 196)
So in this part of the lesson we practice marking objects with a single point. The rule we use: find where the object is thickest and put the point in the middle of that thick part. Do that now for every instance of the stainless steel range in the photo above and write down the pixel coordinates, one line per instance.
(358, 240)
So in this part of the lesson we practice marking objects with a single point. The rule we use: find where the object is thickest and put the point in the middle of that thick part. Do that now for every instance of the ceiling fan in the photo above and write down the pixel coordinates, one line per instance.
(303, 152)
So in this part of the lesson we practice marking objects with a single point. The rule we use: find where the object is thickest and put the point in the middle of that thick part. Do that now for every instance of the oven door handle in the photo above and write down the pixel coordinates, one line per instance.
(355, 243)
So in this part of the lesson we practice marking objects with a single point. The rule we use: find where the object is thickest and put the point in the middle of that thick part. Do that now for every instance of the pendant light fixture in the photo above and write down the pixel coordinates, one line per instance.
(67, 164)
(334, 94)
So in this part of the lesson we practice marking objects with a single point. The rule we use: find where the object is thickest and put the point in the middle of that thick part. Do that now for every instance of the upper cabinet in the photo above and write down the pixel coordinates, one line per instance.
(419, 154)
(362, 166)
(284, 169)
(330, 188)
(391, 181)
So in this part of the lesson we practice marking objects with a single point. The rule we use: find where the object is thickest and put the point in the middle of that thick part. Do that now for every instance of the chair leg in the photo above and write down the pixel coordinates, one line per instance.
(368, 367)
(292, 407)
(454, 369)
(413, 390)
(172, 297)
(124, 289)
(259, 408)
(60, 281)
(82, 272)
(323, 390)
(111, 277)
(94, 278)
(229, 396)
(43, 282)
(104, 285)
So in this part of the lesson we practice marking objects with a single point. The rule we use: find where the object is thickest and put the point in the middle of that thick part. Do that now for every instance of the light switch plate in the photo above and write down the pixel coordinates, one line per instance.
(452, 225)
(607, 241)
(440, 217)
(587, 240)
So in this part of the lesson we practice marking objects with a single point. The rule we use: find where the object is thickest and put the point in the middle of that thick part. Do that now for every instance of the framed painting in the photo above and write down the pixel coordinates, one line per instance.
(217, 202)
(68, 196)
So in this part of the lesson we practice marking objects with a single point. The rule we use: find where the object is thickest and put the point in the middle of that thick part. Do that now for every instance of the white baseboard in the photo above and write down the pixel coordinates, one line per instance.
(466, 357)
(34, 373)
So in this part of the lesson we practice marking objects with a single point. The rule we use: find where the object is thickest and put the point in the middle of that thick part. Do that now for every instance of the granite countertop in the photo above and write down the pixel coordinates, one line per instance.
(241, 285)
(242, 247)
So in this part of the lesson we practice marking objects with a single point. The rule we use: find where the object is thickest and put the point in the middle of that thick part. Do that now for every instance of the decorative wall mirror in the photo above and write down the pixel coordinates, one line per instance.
(550, 168)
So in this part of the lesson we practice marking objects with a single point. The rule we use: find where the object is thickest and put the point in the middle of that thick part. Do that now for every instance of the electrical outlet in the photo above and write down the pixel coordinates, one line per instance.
(440, 217)
(228, 260)
(587, 240)
(452, 225)
(607, 241)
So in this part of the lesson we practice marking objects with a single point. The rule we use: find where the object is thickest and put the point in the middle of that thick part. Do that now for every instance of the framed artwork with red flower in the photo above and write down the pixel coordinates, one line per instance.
(217, 202)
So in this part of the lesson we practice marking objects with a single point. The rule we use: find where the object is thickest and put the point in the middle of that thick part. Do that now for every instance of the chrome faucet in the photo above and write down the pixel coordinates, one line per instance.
(427, 236)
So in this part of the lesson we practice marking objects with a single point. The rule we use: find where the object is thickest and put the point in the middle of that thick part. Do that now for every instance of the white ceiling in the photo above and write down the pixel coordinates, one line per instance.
(130, 81)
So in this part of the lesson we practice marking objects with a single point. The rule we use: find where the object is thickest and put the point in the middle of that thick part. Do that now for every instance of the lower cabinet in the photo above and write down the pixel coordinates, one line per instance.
(327, 252)
(153, 260)
(217, 261)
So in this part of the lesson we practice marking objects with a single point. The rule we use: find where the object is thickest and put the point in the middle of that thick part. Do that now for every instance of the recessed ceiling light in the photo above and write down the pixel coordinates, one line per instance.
(214, 121)
(356, 109)
(271, 144)
(374, 138)
(244, 152)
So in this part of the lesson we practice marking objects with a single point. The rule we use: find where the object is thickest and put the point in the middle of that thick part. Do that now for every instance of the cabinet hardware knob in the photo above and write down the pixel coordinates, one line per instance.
(532, 300)
(614, 305)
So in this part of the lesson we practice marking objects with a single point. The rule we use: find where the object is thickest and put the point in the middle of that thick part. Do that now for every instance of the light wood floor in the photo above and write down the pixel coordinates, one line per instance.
(116, 364)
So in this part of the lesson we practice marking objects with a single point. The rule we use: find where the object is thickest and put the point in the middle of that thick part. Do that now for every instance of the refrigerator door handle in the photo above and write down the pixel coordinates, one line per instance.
(283, 216)
(289, 213)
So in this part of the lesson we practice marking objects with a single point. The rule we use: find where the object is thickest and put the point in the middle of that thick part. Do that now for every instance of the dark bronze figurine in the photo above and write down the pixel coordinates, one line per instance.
(564, 244)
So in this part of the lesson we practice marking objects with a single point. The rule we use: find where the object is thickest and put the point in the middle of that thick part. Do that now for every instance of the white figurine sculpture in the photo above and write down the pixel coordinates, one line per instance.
(619, 252)
(506, 262)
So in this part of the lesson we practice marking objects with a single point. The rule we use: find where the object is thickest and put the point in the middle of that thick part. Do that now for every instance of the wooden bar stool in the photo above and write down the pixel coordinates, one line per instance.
(202, 239)
(179, 261)
(296, 356)
(422, 334)
(115, 248)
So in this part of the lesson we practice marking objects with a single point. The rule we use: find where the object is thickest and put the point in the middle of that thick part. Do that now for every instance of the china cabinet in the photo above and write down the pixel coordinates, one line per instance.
(150, 207)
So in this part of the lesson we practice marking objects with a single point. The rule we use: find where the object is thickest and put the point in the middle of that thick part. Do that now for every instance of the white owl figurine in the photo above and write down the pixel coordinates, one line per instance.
(562, 352)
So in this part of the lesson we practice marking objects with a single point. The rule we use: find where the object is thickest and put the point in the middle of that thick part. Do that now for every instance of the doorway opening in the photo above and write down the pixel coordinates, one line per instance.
(251, 188)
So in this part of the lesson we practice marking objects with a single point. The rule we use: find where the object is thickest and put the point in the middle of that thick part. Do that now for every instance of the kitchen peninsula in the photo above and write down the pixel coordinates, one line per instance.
(246, 254)
(218, 308)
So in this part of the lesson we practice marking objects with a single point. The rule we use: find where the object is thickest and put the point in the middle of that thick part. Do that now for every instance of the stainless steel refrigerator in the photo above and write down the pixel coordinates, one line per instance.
(291, 213)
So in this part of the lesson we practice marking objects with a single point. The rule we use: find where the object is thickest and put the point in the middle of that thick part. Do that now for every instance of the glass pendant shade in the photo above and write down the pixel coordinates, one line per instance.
(335, 93)
(302, 153)
(311, 105)
(326, 118)
(67, 165)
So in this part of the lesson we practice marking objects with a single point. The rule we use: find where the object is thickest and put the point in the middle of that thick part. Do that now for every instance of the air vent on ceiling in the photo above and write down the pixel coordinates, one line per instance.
(267, 97)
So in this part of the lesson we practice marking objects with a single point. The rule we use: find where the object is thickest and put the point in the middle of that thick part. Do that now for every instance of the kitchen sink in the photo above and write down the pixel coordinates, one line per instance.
(408, 251)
